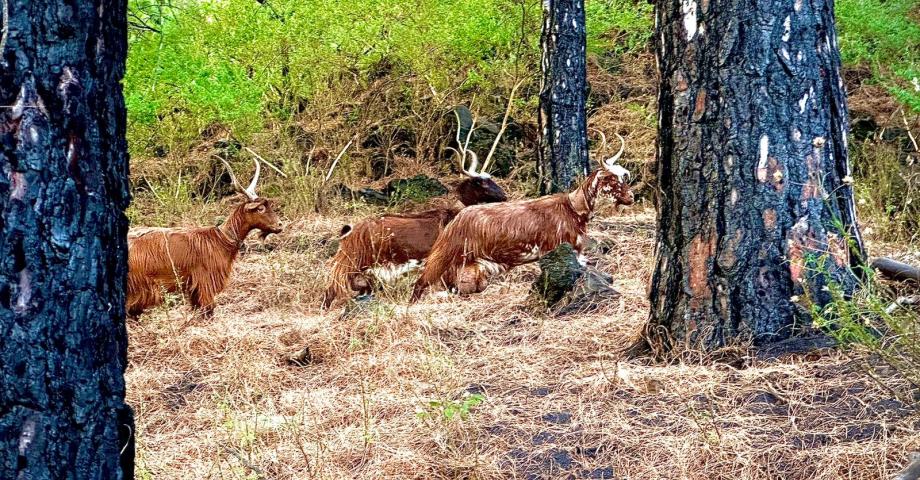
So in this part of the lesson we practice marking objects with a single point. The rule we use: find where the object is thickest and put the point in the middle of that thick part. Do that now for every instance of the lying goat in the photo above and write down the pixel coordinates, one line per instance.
(485, 240)
(388, 246)
(195, 261)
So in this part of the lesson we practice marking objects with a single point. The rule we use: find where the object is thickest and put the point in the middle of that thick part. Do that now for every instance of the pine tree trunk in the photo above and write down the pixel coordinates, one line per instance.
(755, 204)
(563, 123)
(63, 190)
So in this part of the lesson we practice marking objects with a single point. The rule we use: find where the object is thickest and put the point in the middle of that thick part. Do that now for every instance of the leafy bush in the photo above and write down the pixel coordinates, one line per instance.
(239, 63)
(884, 34)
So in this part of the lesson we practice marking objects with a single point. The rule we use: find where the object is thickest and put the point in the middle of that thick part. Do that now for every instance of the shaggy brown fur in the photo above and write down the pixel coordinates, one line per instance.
(391, 240)
(195, 261)
(487, 239)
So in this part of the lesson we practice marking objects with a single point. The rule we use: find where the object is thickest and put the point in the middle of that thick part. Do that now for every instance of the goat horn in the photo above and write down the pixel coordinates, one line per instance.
(610, 162)
(251, 191)
(236, 183)
(462, 161)
(603, 139)
(474, 162)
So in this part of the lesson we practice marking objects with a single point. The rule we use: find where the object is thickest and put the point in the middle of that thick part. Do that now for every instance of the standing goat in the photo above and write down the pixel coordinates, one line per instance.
(485, 240)
(196, 261)
(388, 246)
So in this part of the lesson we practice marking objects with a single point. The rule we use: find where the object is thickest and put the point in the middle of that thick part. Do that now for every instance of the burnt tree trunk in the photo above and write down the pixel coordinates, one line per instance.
(755, 205)
(63, 191)
(563, 122)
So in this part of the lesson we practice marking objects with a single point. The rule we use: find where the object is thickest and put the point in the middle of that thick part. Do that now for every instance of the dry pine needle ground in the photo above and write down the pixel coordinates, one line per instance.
(482, 387)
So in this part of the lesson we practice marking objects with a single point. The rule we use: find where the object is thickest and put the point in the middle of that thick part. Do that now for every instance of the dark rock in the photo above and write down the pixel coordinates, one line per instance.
(366, 195)
(476, 389)
(863, 128)
(559, 271)
(593, 289)
(560, 418)
(590, 452)
(543, 438)
(808, 441)
(540, 391)
(561, 458)
(381, 166)
(418, 189)
(301, 358)
(598, 473)
(869, 431)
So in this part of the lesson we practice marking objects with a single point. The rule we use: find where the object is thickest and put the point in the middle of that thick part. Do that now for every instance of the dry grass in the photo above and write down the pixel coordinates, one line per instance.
(217, 399)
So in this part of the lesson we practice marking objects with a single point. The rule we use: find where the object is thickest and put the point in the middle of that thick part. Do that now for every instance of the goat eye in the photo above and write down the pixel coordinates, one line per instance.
(261, 208)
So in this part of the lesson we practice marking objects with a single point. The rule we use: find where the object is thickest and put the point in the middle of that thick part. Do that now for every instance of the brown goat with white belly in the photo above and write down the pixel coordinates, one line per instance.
(387, 246)
(484, 240)
(196, 261)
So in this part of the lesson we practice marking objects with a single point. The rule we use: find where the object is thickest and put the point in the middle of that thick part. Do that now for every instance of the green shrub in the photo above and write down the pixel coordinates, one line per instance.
(885, 35)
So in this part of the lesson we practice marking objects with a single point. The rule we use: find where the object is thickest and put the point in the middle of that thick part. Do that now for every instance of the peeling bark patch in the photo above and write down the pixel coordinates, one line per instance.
(701, 252)
(769, 219)
(700, 107)
(797, 245)
(19, 185)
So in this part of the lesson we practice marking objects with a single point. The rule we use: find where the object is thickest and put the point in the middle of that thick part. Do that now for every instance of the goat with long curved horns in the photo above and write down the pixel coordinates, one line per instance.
(485, 240)
(385, 247)
(195, 261)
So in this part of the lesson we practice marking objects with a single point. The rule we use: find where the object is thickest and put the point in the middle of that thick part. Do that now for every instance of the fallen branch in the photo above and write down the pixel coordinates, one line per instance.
(246, 463)
(338, 157)
(895, 270)
(254, 154)
(488, 162)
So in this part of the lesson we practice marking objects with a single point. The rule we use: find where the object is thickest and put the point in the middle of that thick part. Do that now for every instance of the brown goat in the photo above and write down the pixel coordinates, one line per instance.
(196, 261)
(484, 240)
(387, 246)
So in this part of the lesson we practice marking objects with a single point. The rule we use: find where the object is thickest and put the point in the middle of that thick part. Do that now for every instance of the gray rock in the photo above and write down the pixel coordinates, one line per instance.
(559, 273)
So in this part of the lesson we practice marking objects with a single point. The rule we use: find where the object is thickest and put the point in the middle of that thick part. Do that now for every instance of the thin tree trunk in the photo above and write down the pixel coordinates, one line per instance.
(755, 205)
(63, 191)
(563, 123)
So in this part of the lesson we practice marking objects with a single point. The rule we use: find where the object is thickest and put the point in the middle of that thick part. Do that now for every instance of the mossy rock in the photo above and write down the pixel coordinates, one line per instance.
(559, 273)
(419, 189)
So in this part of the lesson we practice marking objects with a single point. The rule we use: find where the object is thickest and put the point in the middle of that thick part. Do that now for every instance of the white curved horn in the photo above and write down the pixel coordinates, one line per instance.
(610, 162)
(251, 190)
(603, 139)
(474, 163)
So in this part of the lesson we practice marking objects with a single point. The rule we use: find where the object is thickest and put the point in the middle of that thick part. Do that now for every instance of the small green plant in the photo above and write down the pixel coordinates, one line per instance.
(873, 318)
(449, 410)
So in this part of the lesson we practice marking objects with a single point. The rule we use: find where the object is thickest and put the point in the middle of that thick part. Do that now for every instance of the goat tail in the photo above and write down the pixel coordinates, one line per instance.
(441, 266)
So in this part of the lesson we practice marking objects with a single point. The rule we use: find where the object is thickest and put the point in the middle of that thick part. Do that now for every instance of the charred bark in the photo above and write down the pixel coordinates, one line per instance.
(755, 202)
(563, 122)
(63, 191)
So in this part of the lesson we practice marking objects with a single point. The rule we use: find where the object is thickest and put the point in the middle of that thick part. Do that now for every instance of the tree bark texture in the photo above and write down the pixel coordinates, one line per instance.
(63, 191)
(563, 122)
(755, 202)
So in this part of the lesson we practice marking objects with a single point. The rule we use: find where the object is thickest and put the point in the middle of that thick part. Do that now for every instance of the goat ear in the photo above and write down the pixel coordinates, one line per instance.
(252, 206)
